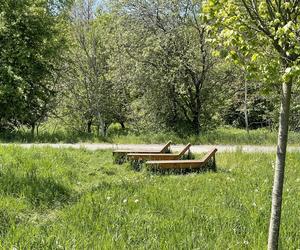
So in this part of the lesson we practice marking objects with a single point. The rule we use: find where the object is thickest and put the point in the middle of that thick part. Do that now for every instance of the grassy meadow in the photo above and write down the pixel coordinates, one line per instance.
(55, 133)
(77, 199)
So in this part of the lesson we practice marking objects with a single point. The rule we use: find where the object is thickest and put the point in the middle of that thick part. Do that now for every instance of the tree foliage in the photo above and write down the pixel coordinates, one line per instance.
(31, 42)
(94, 95)
(175, 71)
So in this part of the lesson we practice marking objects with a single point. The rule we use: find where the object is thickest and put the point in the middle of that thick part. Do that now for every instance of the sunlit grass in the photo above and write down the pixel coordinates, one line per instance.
(225, 135)
(76, 199)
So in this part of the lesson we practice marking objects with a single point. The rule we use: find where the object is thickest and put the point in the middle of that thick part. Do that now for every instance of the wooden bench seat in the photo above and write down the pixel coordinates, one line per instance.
(145, 157)
(184, 164)
(165, 149)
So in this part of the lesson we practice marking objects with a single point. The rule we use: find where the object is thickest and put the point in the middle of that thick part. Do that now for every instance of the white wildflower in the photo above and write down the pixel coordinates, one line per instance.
(273, 165)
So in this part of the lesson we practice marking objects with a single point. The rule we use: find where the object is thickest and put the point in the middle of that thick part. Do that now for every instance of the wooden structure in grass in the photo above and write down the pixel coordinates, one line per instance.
(165, 149)
(185, 164)
(154, 157)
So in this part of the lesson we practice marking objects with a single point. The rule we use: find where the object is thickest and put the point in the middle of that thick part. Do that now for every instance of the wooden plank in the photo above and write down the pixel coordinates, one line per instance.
(178, 164)
(136, 152)
(210, 154)
(143, 157)
(164, 149)
(185, 149)
(176, 161)
(136, 156)
(184, 164)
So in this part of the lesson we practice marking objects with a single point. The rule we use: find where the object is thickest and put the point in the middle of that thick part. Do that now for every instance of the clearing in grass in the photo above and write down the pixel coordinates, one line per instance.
(67, 198)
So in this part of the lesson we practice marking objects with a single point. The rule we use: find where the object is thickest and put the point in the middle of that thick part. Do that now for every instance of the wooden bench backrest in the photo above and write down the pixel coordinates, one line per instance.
(210, 154)
(186, 148)
(166, 147)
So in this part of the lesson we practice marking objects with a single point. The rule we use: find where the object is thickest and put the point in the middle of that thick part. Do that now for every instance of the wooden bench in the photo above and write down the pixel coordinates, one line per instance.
(165, 149)
(184, 164)
(154, 157)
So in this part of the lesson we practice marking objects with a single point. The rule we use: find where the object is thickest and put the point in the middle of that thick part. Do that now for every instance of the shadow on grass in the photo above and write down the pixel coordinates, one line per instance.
(139, 165)
(182, 171)
(39, 191)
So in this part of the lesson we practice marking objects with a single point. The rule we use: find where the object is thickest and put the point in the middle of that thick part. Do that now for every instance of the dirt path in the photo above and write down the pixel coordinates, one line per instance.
(194, 148)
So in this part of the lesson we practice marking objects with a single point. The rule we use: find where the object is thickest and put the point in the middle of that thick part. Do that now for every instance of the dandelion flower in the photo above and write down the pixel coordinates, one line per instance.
(246, 242)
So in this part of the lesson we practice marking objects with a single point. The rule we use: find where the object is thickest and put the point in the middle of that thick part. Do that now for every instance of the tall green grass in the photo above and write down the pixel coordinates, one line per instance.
(230, 136)
(76, 199)
(224, 135)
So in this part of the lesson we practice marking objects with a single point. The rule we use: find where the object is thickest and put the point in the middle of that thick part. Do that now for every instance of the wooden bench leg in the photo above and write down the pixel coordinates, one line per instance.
(119, 158)
(136, 164)
(214, 165)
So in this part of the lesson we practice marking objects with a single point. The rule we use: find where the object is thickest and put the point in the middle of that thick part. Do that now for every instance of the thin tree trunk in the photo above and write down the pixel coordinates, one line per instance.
(246, 108)
(98, 130)
(280, 166)
(196, 114)
(122, 125)
(89, 127)
(103, 129)
(37, 130)
(196, 123)
(32, 129)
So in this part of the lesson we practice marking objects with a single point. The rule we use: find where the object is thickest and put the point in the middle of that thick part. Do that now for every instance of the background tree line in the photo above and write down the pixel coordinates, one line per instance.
(149, 65)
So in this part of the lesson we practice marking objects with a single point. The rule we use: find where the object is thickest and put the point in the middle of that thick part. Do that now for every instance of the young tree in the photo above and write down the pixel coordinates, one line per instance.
(258, 27)
(93, 94)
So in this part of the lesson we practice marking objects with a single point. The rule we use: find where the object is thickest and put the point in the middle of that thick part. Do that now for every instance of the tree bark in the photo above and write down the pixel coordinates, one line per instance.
(89, 127)
(103, 129)
(196, 123)
(280, 166)
(37, 130)
(246, 108)
(122, 125)
(196, 108)
(32, 129)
